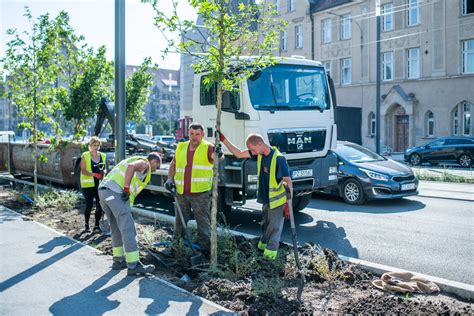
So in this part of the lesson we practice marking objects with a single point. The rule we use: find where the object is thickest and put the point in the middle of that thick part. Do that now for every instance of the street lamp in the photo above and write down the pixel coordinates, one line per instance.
(377, 84)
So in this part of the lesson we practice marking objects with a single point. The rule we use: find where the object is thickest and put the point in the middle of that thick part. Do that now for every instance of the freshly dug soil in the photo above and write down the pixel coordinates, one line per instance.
(244, 281)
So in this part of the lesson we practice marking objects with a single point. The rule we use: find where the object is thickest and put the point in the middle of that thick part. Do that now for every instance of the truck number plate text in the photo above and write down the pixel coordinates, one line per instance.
(302, 173)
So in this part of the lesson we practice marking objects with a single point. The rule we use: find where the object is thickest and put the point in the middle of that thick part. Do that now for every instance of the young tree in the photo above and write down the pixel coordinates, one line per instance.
(137, 89)
(30, 64)
(90, 79)
(229, 30)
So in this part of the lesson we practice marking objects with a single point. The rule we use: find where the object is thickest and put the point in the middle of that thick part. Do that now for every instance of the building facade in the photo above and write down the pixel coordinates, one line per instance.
(163, 101)
(426, 56)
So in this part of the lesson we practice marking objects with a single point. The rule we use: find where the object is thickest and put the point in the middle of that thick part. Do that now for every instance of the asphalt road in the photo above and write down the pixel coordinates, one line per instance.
(431, 235)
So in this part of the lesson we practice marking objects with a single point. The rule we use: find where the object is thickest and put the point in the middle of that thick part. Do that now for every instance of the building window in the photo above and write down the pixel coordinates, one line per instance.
(466, 119)
(468, 56)
(455, 122)
(387, 17)
(413, 58)
(299, 36)
(284, 41)
(461, 119)
(327, 29)
(345, 71)
(291, 5)
(371, 124)
(387, 66)
(429, 124)
(467, 7)
(327, 67)
(413, 12)
(346, 26)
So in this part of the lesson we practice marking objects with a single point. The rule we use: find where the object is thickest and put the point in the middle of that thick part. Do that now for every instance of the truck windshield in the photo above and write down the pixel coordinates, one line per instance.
(289, 87)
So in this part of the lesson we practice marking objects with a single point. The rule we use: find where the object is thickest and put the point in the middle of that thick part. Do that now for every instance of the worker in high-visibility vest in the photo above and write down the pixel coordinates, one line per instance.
(92, 171)
(117, 193)
(191, 173)
(273, 174)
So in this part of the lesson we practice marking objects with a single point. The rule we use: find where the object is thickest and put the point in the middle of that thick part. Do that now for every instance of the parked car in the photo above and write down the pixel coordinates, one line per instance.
(365, 175)
(443, 150)
(168, 139)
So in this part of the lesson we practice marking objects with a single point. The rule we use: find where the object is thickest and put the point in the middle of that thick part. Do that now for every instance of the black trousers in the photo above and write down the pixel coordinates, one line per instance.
(89, 195)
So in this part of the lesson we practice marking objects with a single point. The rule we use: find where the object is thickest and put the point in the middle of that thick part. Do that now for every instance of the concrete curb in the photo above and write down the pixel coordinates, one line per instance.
(462, 290)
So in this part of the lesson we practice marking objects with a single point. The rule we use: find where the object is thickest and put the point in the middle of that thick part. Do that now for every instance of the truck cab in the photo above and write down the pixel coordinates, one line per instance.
(291, 105)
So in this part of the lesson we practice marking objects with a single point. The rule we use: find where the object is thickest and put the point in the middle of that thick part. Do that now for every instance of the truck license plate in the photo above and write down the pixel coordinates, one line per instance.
(408, 186)
(302, 173)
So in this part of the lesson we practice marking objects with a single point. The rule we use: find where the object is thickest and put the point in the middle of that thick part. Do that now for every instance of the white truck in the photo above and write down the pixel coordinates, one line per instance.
(292, 105)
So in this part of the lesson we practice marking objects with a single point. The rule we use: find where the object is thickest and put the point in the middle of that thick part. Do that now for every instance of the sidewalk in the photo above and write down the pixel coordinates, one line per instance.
(43, 272)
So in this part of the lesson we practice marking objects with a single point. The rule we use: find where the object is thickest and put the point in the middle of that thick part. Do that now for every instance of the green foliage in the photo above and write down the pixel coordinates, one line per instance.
(62, 200)
(268, 286)
(89, 82)
(444, 176)
(229, 30)
(137, 91)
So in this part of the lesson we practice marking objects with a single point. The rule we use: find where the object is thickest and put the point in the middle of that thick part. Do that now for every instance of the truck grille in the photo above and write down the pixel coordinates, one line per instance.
(297, 141)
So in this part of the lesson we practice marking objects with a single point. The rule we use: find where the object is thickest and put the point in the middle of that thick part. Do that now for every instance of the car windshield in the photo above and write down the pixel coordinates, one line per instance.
(289, 88)
(356, 153)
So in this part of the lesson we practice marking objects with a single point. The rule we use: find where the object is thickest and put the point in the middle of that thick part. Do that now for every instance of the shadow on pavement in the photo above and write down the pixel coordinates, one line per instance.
(92, 300)
(56, 242)
(336, 204)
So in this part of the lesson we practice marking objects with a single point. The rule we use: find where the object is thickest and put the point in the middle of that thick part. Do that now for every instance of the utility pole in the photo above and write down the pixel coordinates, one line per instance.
(377, 84)
(119, 80)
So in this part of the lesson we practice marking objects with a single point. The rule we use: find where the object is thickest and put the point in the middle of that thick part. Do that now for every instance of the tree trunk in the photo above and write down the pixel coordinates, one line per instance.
(215, 183)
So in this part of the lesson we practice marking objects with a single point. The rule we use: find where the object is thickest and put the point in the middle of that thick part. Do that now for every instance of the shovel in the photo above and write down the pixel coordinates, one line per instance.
(196, 259)
(295, 245)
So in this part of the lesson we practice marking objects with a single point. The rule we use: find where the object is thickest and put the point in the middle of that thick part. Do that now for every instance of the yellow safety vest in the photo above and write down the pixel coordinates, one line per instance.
(88, 181)
(118, 175)
(277, 193)
(201, 174)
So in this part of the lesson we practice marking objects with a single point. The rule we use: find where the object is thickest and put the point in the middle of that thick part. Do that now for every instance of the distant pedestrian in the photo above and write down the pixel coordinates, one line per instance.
(191, 172)
(273, 174)
(92, 171)
(117, 193)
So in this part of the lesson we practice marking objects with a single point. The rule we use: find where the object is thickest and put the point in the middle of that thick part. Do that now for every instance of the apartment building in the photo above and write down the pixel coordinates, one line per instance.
(427, 62)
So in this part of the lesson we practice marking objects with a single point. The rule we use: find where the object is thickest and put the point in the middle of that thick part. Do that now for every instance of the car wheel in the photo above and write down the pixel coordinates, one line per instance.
(415, 159)
(465, 161)
(352, 192)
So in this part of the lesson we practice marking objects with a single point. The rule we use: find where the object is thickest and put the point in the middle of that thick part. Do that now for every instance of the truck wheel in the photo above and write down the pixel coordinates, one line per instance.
(300, 202)
(223, 210)
(352, 192)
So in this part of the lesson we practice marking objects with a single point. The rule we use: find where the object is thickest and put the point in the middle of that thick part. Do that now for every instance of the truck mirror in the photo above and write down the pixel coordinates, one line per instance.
(242, 116)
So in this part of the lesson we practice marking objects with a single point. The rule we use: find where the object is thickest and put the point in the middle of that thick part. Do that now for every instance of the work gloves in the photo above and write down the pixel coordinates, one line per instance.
(97, 175)
(221, 135)
(286, 211)
(218, 150)
(169, 185)
(126, 194)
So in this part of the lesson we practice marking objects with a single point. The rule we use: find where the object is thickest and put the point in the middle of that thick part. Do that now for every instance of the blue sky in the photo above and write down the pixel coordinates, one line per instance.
(95, 20)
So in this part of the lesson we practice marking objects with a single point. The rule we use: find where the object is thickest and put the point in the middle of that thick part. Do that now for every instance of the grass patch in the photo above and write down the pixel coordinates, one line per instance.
(62, 200)
(443, 176)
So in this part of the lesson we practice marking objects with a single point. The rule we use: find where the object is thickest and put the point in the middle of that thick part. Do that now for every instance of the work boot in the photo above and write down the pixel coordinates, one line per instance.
(141, 269)
(97, 229)
(86, 228)
(119, 265)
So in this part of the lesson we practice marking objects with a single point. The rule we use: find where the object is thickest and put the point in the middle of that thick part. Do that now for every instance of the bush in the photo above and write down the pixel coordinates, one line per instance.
(62, 200)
